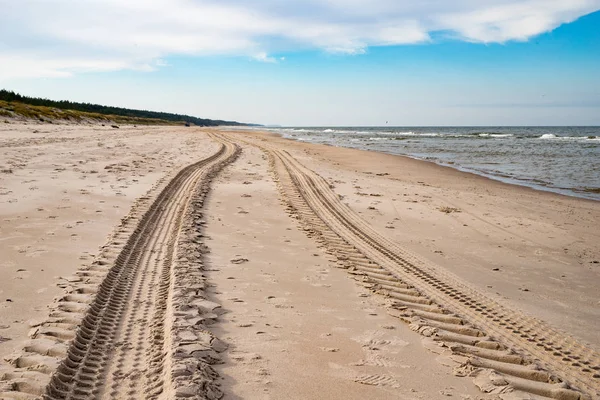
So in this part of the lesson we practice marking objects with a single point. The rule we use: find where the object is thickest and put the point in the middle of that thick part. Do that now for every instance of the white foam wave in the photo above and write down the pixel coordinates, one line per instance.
(329, 130)
(551, 136)
(496, 135)
(410, 133)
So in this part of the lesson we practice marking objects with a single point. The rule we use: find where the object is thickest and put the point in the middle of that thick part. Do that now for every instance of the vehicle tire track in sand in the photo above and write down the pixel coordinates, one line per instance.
(530, 355)
(123, 347)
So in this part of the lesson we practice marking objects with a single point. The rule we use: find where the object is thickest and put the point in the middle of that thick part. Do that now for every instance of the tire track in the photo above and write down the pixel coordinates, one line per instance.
(530, 355)
(113, 354)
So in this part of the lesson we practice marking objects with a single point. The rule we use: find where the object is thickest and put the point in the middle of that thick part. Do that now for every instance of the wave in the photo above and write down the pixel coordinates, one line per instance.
(448, 135)
(284, 130)
(377, 135)
(409, 133)
(423, 134)
(551, 136)
(495, 135)
(329, 130)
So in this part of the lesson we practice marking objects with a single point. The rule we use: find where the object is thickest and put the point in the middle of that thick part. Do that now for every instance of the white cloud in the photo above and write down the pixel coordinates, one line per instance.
(63, 37)
(264, 57)
(506, 21)
(30, 66)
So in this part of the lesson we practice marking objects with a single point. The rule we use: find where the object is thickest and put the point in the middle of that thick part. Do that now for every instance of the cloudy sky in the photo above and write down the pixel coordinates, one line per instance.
(313, 62)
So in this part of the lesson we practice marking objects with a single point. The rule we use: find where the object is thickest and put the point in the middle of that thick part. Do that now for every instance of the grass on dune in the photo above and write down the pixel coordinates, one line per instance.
(48, 114)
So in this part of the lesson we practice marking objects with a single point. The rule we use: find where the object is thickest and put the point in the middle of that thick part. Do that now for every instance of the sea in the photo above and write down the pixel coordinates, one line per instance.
(562, 159)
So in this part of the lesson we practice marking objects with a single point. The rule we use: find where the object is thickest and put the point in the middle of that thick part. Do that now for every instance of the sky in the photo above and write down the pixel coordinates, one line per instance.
(313, 62)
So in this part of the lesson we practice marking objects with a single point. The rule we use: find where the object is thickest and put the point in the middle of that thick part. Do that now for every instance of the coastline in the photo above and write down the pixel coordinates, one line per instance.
(272, 296)
(534, 249)
(590, 193)
(513, 181)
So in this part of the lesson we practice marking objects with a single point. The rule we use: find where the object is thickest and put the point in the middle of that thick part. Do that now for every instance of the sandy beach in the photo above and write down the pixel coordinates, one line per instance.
(174, 262)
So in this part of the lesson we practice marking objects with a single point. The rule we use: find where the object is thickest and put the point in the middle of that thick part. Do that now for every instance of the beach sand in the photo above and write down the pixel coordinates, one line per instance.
(537, 250)
(63, 191)
(285, 314)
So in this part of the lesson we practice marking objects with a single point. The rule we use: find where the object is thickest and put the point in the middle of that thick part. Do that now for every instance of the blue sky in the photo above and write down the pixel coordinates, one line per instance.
(314, 62)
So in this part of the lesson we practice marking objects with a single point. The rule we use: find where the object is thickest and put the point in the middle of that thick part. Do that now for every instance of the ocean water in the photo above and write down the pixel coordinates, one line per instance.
(559, 159)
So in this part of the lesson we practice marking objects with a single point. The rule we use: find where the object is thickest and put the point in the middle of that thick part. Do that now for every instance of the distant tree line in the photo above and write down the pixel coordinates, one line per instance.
(11, 96)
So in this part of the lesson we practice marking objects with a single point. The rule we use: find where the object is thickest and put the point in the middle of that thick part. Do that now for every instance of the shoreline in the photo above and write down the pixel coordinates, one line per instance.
(502, 179)
(289, 249)
(502, 238)
(495, 178)
(582, 193)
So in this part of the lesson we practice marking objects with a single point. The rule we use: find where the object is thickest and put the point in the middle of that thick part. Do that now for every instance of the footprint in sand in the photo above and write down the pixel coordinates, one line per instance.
(374, 344)
(245, 358)
(377, 380)
(330, 349)
(372, 359)
(22, 274)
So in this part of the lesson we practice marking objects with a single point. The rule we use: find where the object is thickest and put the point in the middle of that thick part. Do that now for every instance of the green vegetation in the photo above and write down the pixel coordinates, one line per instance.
(49, 114)
(13, 104)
